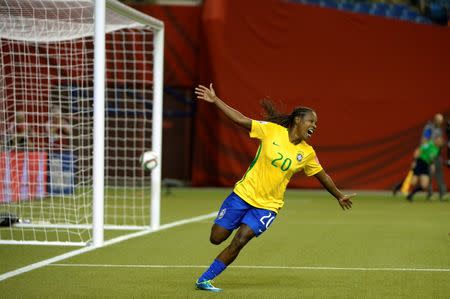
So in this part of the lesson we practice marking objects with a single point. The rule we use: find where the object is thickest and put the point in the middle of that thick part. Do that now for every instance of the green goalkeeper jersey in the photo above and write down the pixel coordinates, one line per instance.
(428, 151)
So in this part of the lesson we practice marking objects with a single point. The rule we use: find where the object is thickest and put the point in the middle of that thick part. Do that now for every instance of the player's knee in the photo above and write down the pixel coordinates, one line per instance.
(215, 240)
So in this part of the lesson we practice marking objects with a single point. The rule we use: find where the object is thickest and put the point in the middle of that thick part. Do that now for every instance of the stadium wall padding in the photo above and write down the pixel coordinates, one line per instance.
(182, 44)
(373, 81)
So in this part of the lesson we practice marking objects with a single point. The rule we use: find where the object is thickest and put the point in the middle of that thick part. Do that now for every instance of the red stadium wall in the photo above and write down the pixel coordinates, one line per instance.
(182, 45)
(373, 81)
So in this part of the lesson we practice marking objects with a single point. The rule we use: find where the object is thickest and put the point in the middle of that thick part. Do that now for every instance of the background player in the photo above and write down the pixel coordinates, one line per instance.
(432, 130)
(425, 158)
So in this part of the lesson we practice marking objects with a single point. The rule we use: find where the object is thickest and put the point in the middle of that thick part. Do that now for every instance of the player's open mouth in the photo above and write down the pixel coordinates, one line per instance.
(310, 132)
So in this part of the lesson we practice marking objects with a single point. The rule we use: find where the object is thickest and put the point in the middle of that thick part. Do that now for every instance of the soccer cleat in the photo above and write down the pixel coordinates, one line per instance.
(396, 188)
(394, 191)
(206, 286)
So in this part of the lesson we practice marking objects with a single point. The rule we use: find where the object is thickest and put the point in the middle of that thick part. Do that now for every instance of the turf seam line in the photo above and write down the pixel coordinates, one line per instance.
(261, 267)
(73, 253)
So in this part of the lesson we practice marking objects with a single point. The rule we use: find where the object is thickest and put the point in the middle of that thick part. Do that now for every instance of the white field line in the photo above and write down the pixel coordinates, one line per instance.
(262, 267)
(106, 243)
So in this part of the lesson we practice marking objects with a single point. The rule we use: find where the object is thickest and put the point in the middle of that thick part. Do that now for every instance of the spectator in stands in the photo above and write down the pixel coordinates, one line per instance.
(58, 129)
(433, 130)
(19, 132)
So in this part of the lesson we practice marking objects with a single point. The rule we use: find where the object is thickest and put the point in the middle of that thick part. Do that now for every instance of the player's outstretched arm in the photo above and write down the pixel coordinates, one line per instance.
(209, 95)
(344, 200)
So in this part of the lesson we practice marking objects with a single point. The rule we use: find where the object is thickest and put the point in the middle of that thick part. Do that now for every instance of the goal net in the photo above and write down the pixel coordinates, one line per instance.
(47, 120)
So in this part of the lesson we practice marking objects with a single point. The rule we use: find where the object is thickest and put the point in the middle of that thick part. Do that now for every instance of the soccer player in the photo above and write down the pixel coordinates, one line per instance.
(256, 199)
(425, 158)
(432, 130)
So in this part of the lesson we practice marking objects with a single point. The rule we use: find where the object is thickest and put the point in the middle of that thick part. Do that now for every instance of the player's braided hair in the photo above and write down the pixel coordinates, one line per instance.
(286, 120)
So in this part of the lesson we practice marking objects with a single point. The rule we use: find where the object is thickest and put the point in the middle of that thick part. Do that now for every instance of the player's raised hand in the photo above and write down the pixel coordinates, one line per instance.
(205, 93)
(346, 201)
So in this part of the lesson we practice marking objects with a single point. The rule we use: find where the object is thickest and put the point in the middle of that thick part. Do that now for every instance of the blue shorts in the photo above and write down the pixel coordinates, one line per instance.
(235, 211)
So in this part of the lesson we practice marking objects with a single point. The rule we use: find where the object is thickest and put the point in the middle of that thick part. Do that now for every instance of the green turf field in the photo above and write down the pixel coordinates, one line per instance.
(384, 248)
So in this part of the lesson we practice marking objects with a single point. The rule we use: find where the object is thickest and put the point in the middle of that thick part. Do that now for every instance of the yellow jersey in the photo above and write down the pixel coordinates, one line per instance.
(276, 161)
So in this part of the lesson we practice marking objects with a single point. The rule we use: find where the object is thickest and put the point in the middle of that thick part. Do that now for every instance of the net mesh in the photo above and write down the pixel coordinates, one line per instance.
(46, 119)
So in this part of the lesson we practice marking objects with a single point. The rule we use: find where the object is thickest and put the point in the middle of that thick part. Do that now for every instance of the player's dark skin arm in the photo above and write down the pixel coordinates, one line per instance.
(344, 200)
(209, 95)
(218, 233)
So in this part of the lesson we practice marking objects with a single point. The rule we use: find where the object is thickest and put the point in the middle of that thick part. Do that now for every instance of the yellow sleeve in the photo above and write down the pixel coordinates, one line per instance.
(313, 166)
(259, 129)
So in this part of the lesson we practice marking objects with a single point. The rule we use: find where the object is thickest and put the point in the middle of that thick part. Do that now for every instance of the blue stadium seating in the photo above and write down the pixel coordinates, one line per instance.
(393, 13)
(395, 10)
(328, 3)
(438, 12)
(379, 10)
(409, 15)
(422, 20)
(362, 7)
(346, 6)
(398, 10)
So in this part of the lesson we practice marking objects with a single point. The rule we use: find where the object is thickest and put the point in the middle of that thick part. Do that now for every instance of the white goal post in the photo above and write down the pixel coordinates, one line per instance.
(81, 91)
